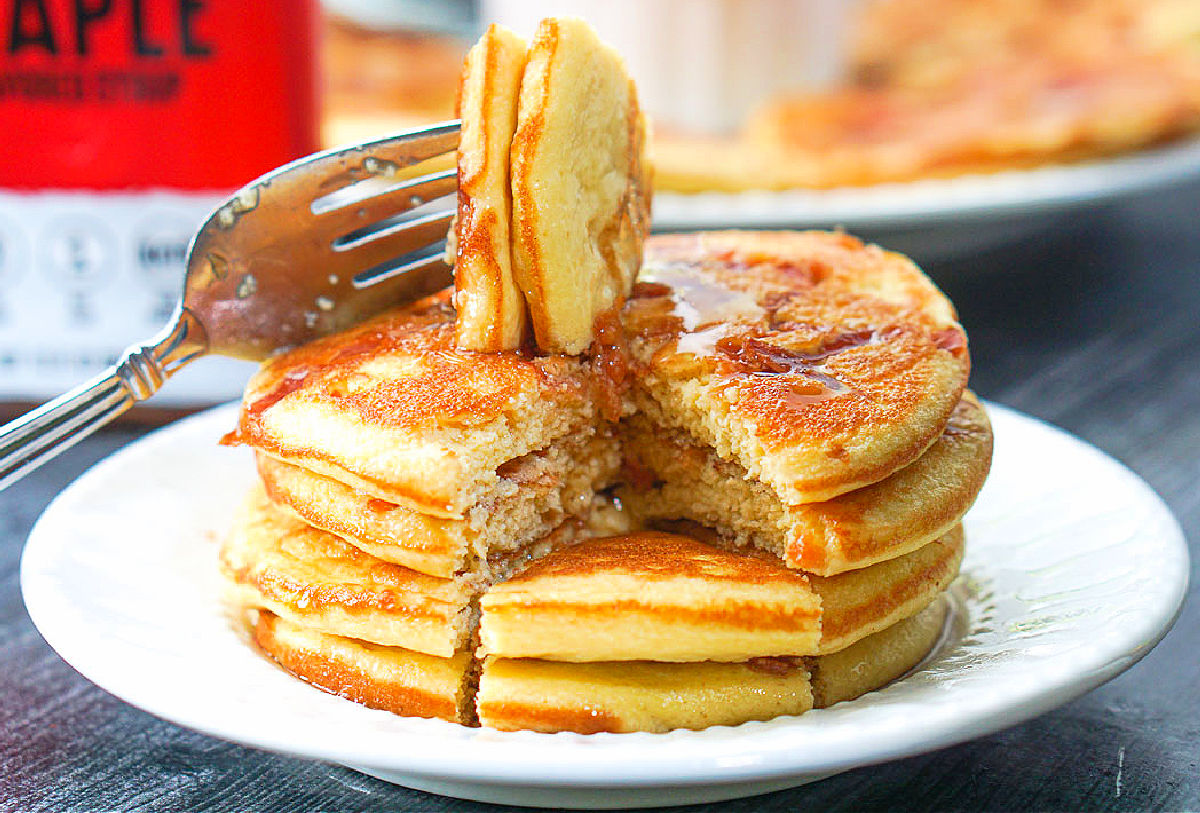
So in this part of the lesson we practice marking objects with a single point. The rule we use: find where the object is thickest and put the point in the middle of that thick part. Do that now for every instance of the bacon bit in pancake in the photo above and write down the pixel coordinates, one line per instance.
(637, 475)
(951, 339)
(778, 666)
(380, 506)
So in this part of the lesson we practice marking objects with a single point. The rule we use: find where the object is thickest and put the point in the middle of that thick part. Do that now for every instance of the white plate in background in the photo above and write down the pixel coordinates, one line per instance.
(942, 218)
(1074, 570)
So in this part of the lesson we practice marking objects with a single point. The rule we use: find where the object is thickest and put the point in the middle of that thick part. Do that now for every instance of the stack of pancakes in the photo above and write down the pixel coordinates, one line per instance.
(727, 492)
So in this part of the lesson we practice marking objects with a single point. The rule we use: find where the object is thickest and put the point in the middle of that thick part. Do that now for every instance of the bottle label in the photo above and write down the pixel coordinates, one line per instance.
(185, 94)
(125, 123)
(83, 276)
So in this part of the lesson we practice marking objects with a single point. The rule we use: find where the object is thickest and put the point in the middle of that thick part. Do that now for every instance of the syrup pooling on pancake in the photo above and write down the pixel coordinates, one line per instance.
(825, 364)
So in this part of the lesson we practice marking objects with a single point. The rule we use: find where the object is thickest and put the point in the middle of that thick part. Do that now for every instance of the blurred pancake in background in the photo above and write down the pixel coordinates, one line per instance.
(932, 88)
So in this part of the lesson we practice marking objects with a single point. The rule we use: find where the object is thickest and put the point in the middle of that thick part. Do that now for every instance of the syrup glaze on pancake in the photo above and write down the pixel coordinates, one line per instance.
(666, 597)
(393, 409)
(668, 477)
(817, 363)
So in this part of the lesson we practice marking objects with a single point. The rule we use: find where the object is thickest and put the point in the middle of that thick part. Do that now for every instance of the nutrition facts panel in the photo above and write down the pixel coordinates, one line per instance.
(85, 275)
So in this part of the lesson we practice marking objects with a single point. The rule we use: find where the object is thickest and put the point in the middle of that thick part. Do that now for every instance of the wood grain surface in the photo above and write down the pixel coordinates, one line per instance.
(1092, 324)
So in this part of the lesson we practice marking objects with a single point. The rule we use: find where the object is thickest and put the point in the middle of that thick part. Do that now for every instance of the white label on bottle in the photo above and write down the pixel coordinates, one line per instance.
(85, 275)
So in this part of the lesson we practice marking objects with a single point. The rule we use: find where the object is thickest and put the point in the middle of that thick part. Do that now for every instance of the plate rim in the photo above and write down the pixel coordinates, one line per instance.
(593, 768)
(920, 203)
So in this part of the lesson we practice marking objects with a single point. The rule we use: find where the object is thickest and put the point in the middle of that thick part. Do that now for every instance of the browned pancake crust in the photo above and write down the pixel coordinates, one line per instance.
(861, 602)
(650, 595)
(605, 246)
(618, 697)
(666, 597)
(367, 673)
(877, 659)
(818, 363)
(491, 309)
(313, 578)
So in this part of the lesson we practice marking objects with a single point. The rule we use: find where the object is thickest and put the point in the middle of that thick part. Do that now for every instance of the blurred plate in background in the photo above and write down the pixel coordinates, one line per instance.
(944, 218)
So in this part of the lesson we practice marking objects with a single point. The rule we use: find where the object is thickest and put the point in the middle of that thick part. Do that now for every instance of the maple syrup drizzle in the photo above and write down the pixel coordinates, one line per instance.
(699, 301)
(610, 358)
(755, 358)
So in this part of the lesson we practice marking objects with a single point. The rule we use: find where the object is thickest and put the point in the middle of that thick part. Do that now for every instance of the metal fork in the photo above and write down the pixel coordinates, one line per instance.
(306, 250)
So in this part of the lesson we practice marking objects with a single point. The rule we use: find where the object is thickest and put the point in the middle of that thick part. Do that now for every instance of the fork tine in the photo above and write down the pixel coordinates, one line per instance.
(405, 233)
(328, 171)
(422, 260)
(366, 252)
(395, 198)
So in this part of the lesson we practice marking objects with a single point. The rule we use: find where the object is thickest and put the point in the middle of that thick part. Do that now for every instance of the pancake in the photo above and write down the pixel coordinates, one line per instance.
(670, 598)
(398, 680)
(668, 476)
(580, 184)
(942, 88)
(587, 698)
(491, 308)
(816, 363)
(276, 562)
(538, 492)
(393, 410)
(877, 659)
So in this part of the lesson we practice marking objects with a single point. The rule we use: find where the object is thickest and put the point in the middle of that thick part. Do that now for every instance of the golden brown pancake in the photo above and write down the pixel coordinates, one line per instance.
(538, 492)
(877, 659)
(491, 308)
(580, 189)
(665, 597)
(312, 578)
(587, 698)
(816, 363)
(398, 680)
(945, 87)
(668, 476)
(393, 410)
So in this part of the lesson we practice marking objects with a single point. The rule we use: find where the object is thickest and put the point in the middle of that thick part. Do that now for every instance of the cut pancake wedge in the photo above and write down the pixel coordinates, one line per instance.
(665, 597)
(274, 561)
(580, 188)
(668, 476)
(539, 695)
(398, 680)
(393, 410)
(491, 308)
(536, 493)
(816, 363)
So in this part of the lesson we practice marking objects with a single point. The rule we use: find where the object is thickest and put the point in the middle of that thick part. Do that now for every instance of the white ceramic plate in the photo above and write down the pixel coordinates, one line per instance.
(940, 218)
(1074, 570)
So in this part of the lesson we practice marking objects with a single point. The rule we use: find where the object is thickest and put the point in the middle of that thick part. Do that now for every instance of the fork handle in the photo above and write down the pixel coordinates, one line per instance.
(37, 436)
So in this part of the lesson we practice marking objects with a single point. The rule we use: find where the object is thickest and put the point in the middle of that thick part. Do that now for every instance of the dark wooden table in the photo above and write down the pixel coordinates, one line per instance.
(1093, 325)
